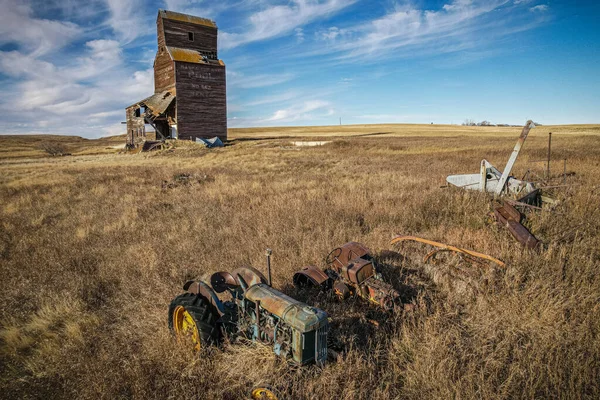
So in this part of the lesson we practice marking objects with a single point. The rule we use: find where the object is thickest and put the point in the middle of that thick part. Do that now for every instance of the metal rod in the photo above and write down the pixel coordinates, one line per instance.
(565, 172)
(513, 157)
(268, 254)
(549, 147)
(257, 324)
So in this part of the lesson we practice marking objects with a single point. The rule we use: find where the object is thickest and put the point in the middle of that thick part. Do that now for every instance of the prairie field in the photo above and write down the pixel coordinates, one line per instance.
(95, 244)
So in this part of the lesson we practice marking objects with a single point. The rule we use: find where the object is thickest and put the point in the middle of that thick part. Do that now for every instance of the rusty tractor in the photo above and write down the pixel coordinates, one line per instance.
(296, 331)
(351, 270)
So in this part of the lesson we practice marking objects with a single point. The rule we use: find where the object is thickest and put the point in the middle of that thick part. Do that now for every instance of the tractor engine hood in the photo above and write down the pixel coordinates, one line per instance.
(298, 315)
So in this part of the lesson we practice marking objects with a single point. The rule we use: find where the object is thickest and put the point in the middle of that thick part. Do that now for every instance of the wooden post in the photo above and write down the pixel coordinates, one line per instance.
(549, 147)
(565, 172)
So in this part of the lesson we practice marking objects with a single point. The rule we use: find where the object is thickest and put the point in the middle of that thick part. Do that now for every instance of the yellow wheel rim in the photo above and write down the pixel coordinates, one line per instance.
(263, 393)
(185, 326)
(339, 294)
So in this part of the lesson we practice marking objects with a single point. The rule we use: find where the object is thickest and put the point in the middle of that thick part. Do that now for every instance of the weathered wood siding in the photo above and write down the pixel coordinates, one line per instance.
(176, 34)
(136, 130)
(160, 33)
(201, 100)
(164, 71)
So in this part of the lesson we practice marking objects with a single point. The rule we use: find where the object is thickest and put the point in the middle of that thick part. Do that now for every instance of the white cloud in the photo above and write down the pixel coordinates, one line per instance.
(297, 112)
(127, 19)
(37, 36)
(539, 8)
(299, 35)
(332, 33)
(407, 31)
(278, 20)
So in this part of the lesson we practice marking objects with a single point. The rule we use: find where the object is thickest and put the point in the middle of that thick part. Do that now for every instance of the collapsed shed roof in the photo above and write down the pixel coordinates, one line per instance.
(157, 103)
(186, 18)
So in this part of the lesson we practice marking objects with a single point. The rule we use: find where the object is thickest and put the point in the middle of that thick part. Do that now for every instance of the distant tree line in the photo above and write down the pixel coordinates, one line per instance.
(470, 122)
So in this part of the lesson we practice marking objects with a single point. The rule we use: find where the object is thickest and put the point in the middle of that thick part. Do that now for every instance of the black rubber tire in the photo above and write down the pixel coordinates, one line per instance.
(204, 314)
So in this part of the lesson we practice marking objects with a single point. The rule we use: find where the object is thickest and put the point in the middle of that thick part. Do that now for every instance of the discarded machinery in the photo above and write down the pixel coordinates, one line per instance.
(351, 270)
(490, 179)
(296, 331)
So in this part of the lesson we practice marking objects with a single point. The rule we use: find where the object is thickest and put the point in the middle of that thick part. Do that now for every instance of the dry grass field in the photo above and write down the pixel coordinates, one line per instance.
(94, 245)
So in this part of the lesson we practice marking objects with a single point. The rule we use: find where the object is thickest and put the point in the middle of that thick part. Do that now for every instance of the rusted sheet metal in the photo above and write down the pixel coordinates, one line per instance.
(359, 270)
(510, 217)
(186, 18)
(310, 274)
(250, 276)
(296, 314)
(191, 56)
(346, 253)
(201, 288)
(446, 247)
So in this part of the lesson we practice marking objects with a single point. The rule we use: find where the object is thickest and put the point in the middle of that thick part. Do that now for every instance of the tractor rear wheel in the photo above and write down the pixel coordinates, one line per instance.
(194, 320)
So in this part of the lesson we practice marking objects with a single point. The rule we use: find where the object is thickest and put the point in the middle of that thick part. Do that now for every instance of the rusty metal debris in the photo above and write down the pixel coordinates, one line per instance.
(508, 216)
(255, 310)
(350, 271)
(474, 256)
(490, 179)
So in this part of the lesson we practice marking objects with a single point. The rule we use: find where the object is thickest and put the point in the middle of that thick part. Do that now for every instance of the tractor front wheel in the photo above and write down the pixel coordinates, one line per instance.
(193, 320)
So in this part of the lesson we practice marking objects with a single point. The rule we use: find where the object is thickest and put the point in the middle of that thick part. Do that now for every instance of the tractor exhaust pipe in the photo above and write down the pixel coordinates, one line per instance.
(268, 254)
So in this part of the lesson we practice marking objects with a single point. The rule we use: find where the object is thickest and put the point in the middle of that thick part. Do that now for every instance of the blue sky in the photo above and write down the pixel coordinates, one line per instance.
(70, 67)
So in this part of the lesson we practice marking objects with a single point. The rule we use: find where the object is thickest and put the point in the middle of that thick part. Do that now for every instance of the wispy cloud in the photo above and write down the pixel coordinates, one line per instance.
(38, 36)
(409, 31)
(297, 112)
(539, 8)
(278, 20)
(127, 19)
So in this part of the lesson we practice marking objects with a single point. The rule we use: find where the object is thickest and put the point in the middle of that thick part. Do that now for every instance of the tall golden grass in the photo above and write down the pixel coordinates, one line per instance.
(94, 247)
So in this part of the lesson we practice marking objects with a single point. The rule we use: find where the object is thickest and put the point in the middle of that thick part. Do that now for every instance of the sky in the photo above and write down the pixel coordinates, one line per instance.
(71, 67)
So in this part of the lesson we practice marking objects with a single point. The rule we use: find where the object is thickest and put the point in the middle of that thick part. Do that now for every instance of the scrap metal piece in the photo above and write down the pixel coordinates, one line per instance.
(491, 180)
(310, 275)
(446, 247)
(508, 216)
